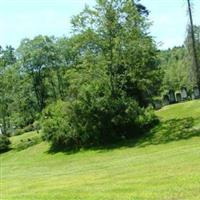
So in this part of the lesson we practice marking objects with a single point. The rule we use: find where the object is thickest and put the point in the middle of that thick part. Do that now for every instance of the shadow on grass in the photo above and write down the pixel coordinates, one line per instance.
(164, 132)
(57, 149)
(170, 130)
(5, 151)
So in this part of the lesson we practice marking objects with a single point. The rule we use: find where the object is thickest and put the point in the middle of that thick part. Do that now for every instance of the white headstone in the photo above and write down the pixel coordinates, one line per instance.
(184, 93)
(196, 92)
(192, 96)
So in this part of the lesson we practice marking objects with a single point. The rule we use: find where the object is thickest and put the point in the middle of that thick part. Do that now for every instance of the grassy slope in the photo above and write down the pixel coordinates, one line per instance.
(181, 110)
(165, 171)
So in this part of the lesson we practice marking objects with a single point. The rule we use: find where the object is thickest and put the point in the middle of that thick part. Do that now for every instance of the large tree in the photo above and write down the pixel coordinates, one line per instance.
(7, 59)
(117, 32)
(41, 59)
(114, 77)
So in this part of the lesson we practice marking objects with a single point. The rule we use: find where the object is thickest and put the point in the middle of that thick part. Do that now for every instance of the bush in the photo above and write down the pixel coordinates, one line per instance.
(95, 118)
(4, 143)
(56, 124)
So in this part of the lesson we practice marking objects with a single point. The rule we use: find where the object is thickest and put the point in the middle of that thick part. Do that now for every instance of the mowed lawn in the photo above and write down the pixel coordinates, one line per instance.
(181, 110)
(169, 171)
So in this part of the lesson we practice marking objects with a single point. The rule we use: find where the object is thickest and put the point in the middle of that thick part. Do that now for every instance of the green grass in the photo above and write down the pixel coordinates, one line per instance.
(166, 171)
(190, 109)
(20, 141)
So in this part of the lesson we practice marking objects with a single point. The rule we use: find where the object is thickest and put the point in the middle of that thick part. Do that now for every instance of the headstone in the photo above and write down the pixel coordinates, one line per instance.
(192, 96)
(196, 92)
(184, 95)
(165, 100)
(157, 104)
(172, 98)
(178, 97)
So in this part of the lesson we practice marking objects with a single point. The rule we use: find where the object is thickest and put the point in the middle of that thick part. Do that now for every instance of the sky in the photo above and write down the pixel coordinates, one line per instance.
(27, 18)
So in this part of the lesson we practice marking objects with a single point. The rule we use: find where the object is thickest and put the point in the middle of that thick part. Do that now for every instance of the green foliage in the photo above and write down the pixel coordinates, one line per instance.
(7, 59)
(4, 143)
(92, 88)
(118, 34)
(37, 56)
(56, 124)
(101, 119)
(95, 118)
(194, 54)
(178, 64)
(175, 65)
(115, 77)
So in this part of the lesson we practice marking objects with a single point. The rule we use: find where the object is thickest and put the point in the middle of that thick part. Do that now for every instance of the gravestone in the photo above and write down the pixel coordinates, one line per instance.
(172, 98)
(165, 100)
(196, 92)
(157, 104)
(184, 94)
(192, 96)
(178, 97)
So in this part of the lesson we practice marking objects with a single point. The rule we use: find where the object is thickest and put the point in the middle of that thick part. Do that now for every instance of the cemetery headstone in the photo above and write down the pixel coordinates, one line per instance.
(192, 95)
(157, 104)
(196, 92)
(178, 97)
(165, 100)
(172, 98)
(184, 94)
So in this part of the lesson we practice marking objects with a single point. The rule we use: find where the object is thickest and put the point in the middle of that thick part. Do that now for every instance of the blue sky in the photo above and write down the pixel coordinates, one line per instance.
(28, 18)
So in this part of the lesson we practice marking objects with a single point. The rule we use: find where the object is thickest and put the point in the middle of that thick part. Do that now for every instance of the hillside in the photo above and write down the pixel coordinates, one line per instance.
(134, 171)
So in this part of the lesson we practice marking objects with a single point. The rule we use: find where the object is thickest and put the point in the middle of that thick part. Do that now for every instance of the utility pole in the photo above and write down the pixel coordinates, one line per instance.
(194, 52)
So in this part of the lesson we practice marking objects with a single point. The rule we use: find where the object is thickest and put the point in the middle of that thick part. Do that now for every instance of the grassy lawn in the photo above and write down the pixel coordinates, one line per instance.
(190, 109)
(166, 171)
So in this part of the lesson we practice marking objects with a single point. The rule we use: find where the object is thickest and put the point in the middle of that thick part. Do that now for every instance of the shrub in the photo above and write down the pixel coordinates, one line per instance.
(4, 143)
(95, 118)
(56, 125)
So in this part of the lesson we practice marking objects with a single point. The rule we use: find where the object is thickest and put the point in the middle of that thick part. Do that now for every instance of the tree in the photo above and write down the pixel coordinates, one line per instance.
(116, 31)
(176, 69)
(41, 61)
(193, 47)
(7, 58)
(116, 72)
(193, 55)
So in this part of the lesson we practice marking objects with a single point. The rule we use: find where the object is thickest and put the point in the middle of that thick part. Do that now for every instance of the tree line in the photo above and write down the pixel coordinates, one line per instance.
(177, 64)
